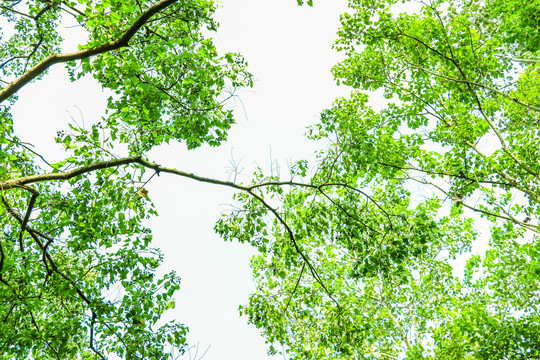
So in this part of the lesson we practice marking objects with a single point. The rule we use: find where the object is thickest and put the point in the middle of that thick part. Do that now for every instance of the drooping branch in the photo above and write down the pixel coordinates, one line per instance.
(52, 59)
(20, 182)
(313, 271)
(249, 190)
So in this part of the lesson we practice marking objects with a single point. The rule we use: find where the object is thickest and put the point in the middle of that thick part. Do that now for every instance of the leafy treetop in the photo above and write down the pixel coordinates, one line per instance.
(388, 210)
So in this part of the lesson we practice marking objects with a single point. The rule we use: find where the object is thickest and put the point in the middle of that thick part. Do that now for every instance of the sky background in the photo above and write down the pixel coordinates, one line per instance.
(288, 49)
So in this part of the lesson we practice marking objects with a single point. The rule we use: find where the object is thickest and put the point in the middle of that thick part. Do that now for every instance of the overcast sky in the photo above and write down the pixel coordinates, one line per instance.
(288, 49)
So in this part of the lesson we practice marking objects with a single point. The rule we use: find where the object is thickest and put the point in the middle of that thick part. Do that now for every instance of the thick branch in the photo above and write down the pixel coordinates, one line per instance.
(52, 59)
(159, 169)
(20, 182)
(27, 217)
(2, 257)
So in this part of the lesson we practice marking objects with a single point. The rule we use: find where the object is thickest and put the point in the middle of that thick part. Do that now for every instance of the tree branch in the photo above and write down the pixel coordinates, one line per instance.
(525, 61)
(295, 287)
(20, 182)
(295, 244)
(2, 257)
(473, 83)
(34, 322)
(531, 227)
(27, 216)
(92, 322)
(395, 321)
(23, 181)
(52, 59)
(6, 8)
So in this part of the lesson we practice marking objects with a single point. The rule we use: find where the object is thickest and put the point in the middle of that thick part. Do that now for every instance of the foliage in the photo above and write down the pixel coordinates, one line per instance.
(77, 270)
(377, 256)
(359, 260)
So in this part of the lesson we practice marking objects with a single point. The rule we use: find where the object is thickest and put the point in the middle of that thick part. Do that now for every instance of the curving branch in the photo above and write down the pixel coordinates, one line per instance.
(52, 59)
(27, 216)
(249, 190)
(314, 272)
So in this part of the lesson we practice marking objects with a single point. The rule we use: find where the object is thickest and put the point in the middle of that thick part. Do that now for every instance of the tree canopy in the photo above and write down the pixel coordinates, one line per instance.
(366, 267)
(373, 252)
(77, 270)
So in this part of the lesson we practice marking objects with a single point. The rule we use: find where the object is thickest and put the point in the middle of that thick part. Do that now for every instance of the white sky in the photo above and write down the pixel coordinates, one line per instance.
(289, 52)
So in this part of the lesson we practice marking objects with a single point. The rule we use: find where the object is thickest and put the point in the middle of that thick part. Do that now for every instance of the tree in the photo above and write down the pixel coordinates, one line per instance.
(363, 264)
(354, 262)
(77, 270)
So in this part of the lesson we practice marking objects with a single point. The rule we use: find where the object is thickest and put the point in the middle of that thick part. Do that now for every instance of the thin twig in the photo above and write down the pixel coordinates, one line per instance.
(92, 322)
(295, 287)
